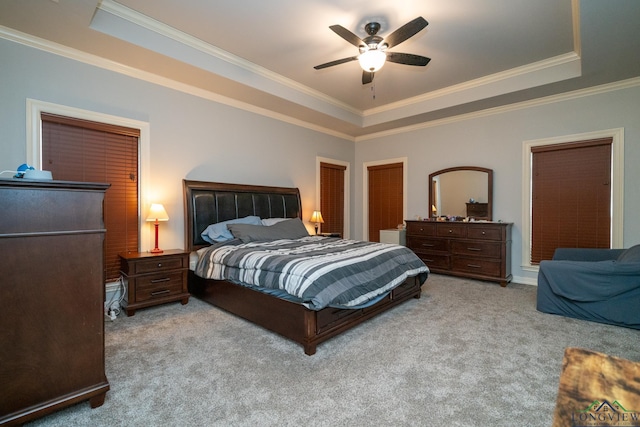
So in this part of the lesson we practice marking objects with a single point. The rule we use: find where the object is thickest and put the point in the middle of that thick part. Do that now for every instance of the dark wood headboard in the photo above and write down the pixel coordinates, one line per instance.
(207, 203)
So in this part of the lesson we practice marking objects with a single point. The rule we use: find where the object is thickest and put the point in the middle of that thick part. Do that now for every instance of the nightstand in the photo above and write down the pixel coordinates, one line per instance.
(330, 234)
(152, 279)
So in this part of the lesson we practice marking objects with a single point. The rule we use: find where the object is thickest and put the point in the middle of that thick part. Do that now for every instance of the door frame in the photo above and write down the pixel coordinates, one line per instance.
(617, 186)
(365, 189)
(347, 194)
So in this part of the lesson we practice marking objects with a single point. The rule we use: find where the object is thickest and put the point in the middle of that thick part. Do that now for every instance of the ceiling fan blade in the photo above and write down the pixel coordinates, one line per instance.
(407, 59)
(367, 77)
(336, 62)
(347, 35)
(407, 30)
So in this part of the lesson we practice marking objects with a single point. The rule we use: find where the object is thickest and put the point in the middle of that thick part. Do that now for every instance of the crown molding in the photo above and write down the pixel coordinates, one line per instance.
(293, 92)
(83, 57)
(97, 61)
(580, 93)
(547, 71)
(479, 82)
(134, 27)
(570, 62)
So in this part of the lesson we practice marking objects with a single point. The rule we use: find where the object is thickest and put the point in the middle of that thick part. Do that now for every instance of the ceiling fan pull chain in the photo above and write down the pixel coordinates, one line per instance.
(373, 90)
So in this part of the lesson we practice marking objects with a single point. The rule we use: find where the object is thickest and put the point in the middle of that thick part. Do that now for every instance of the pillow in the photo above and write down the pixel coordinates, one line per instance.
(271, 221)
(219, 232)
(630, 255)
(289, 229)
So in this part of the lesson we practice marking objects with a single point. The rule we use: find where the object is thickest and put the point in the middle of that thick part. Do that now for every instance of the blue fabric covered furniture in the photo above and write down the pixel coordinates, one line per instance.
(600, 285)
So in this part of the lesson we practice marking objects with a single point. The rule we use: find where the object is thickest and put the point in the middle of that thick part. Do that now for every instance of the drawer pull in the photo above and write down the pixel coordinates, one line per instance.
(429, 245)
(483, 233)
(156, 293)
(474, 266)
(450, 231)
(474, 249)
(427, 260)
(166, 279)
(159, 265)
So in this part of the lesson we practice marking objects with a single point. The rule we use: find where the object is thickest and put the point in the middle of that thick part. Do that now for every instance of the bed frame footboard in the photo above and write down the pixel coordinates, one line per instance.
(294, 321)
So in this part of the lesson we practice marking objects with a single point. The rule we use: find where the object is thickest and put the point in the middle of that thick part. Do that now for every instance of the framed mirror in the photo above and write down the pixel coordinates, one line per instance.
(461, 192)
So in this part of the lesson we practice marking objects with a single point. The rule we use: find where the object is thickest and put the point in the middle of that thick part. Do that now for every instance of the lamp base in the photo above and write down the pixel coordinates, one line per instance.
(156, 249)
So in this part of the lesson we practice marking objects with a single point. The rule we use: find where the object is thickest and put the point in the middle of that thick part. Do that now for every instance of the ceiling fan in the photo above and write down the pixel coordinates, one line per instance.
(373, 48)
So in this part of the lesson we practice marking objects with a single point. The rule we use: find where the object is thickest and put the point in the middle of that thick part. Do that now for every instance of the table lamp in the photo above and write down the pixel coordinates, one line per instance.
(316, 217)
(157, 214)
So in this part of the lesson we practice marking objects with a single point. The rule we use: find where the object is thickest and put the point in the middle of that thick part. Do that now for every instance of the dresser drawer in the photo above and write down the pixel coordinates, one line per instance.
(484, 232)
(421, 228)
(485, 267)
(451, 230)
(426, 244)
(159, 285)
(476, 248)
(435, 261)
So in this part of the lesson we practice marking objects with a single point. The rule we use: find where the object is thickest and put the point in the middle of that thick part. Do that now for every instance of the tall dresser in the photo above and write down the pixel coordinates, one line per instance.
(479, 250)
(51, 296)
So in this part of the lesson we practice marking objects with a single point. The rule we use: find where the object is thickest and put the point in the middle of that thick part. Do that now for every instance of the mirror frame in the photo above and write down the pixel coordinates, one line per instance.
(489, 173)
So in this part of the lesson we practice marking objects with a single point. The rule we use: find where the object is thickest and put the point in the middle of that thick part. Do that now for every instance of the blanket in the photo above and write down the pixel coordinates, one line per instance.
(320, 271)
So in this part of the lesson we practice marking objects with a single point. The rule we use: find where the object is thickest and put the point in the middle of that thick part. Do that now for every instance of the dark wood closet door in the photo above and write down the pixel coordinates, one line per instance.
(385, 198)
(332, 197)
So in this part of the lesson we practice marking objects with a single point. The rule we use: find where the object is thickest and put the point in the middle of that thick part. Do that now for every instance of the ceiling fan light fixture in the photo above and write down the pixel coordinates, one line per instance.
(373, 48)
(372, 60)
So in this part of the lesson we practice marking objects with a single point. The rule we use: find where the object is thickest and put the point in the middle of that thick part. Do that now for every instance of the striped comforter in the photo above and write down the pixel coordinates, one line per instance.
(319, 271)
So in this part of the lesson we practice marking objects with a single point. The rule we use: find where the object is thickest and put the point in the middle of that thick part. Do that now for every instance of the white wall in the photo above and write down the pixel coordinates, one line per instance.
(190, 137)
(496, 142)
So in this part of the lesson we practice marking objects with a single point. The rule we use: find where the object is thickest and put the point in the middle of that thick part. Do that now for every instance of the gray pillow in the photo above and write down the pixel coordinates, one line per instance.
(630, 255)
(290, 229)
(219, 232)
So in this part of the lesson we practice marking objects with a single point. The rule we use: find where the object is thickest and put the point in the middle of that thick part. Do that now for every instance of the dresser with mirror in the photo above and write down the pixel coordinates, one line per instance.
(461, 238)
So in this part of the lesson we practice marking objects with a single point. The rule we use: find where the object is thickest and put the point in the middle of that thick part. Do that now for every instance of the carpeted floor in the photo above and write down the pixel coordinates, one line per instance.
(467, 353)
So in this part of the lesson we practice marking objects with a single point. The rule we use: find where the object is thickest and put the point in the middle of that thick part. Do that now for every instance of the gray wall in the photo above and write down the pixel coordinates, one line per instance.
(196, 138)
(496, 142)
(191, 137)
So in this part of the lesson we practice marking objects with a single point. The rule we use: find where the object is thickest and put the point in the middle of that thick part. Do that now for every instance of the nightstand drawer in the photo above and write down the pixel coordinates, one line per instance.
(159, 285)
(160, 264)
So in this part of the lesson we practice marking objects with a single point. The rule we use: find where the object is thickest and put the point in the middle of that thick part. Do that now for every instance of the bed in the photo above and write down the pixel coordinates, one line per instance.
(210, 203)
